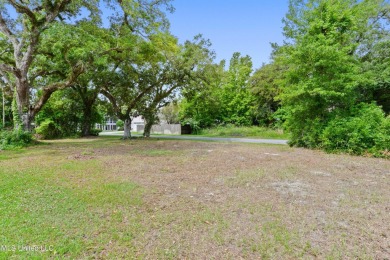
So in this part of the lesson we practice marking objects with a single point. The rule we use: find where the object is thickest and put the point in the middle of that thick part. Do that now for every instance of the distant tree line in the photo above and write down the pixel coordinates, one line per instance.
(328, 84)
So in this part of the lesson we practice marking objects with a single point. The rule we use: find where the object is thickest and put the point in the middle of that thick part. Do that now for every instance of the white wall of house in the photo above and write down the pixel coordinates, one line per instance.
(139, 120)
(109, 124)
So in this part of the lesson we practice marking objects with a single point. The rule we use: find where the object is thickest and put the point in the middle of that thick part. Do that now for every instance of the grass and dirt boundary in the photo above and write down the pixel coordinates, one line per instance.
(106, 198)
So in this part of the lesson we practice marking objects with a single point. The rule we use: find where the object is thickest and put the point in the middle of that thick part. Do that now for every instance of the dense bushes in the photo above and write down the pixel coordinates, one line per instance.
(13, 139)
(48, 129)
(365, 130)
(94, 132)
(331, 78)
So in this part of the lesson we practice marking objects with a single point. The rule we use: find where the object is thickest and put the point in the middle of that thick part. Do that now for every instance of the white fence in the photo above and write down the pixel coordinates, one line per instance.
(167, 129)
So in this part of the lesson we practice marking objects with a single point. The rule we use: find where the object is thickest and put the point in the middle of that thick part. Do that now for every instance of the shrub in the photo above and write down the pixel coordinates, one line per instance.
(120, 124)
(48, 129)
(365, 130)
(195, 125)
(13, 139)
(95, 132)
(383, 139)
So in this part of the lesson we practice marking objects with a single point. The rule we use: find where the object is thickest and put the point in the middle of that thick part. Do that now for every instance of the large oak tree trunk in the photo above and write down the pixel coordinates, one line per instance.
(87, 120)
(127, 129)
(148, 128)
(25, 115)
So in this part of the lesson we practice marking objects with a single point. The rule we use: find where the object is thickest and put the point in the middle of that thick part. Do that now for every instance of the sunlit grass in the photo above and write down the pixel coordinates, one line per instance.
(244, 131)
(66, 207)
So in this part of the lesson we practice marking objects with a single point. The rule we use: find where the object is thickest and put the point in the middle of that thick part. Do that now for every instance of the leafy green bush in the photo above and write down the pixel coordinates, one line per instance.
(365, 130)
(120, 124)
(95, 132)
(306, 133)
(195, 126)
(48, 129)
(13, 139)
(383, 139)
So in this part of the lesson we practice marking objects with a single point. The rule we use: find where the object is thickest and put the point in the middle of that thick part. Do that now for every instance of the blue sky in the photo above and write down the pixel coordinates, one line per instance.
(245, 26)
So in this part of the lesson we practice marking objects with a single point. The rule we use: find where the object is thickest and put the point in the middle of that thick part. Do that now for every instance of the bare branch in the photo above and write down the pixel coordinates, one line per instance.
(4, 29)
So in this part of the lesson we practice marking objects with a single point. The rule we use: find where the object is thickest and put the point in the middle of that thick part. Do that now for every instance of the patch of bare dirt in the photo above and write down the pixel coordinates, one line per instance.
(216, 200)
(81, 157)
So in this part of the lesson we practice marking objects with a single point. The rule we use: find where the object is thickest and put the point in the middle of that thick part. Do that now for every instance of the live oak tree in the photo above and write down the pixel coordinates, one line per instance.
(96, 45)
(125, 80)
(140, 83)
(126, 47)
(21, 36)
(64, 46)
(181, 69)
(24, 23)
(88, 93)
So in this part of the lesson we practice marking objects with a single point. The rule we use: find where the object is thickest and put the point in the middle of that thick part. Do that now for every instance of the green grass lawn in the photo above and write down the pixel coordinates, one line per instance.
(63, 205)
(244, 132)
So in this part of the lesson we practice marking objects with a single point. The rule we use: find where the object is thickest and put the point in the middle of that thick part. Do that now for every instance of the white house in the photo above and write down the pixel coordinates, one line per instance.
(139, 120)
(109, 123)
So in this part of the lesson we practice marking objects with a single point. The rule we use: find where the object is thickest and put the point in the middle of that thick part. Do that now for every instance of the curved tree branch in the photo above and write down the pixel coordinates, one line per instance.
(49, 90)
(24, 10)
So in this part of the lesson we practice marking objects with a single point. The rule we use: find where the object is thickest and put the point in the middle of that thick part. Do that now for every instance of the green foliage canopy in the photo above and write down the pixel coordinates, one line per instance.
(327, 42)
